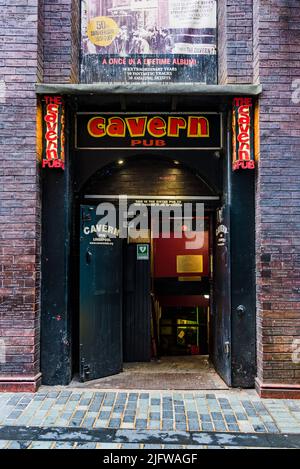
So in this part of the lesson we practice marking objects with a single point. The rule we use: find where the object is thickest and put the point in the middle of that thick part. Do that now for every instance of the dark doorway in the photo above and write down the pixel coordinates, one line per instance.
(157, 306)
(183, 331)
(181, 288)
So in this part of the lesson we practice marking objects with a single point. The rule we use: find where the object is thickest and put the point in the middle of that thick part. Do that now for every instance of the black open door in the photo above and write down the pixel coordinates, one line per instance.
(221, 310)
(137, 306)
(100, 299)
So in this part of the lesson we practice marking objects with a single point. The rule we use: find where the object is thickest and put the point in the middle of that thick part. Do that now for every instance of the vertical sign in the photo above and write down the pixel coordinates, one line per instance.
(242, 134)
(53, 132)
(148, 41)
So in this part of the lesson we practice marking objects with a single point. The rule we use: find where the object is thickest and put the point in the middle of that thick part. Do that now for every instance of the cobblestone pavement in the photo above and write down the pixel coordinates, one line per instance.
(136, 419)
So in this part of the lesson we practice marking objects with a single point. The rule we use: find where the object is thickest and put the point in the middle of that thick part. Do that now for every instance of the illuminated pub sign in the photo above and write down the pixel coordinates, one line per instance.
(53, 132)
(148, 131)
(242, 134)
(144, 41)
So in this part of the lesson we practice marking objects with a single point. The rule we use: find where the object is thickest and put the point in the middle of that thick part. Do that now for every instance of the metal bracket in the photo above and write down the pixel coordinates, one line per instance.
(85, 370)
(227, 348)
(241, 309)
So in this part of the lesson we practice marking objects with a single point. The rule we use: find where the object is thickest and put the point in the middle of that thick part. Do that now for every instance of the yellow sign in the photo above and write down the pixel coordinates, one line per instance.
(102, 30)
(189, 264)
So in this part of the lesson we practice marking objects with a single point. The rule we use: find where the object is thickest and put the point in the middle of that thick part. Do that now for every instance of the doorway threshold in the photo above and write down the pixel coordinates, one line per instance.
(169, 373)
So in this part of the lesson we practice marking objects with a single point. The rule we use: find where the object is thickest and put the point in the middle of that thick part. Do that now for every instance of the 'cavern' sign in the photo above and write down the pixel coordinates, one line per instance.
(242, 134)
(148, 131)
(53, 132)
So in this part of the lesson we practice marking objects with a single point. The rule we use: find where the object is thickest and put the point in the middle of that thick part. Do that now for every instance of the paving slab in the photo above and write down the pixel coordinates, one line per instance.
(141, 413)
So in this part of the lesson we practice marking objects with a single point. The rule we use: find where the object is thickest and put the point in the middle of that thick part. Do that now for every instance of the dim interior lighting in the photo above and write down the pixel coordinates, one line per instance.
(206, 297)
(176, 162)
(120, 162)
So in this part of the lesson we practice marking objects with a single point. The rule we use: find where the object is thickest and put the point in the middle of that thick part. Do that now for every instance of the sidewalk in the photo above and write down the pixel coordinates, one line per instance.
(63, 417)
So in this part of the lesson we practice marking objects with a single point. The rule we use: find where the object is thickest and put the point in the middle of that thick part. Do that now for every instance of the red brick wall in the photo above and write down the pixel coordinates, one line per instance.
(61, 41)
(39, 43)
(20, 65)
(277, 66)
(235, 41)
(222, 41)
(259, 42)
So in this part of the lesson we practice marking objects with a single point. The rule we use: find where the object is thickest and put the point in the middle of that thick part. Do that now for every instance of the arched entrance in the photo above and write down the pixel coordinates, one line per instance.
(150, 295)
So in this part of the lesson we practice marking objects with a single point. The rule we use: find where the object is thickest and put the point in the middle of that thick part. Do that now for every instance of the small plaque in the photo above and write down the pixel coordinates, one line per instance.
(142, 252)
(189, 264)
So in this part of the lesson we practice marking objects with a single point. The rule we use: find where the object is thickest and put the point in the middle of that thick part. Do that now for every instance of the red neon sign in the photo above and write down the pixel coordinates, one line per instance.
(54, 143)
(242, 131)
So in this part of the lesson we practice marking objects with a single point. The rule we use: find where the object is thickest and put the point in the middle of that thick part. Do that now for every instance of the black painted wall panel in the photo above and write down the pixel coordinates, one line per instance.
(136, 307)
(243, 279)
(55, 320)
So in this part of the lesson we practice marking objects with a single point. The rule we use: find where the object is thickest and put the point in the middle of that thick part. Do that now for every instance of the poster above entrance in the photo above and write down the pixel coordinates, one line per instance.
(161, 41)
(163, 131)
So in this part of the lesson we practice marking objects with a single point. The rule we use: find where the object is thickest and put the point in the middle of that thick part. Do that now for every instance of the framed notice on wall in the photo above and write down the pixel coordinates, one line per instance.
(148, 41)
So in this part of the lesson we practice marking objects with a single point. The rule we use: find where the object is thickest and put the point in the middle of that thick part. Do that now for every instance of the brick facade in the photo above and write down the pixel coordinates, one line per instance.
(61, 38)
(39, 42)
(278, 196)
(235, 41)
(258, 42)
(267, 52)
(19, 243)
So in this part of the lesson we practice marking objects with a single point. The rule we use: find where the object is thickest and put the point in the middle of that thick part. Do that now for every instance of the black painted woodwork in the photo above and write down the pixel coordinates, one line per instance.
(100, 302)
(56, 292)
(221, 304)
(60, 240)
(136, 307)
(243, 279)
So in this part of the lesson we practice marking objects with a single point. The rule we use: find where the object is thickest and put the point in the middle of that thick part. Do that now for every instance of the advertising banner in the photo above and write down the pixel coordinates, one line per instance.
(148, 41)
(148, 131)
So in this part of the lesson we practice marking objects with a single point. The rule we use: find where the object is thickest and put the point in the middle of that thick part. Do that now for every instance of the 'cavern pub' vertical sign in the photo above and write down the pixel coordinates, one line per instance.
(53, 132)
(242, 134)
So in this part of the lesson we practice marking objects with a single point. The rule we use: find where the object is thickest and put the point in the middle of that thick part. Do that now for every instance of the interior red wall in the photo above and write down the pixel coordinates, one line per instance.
(183, 300)
(166, 251)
